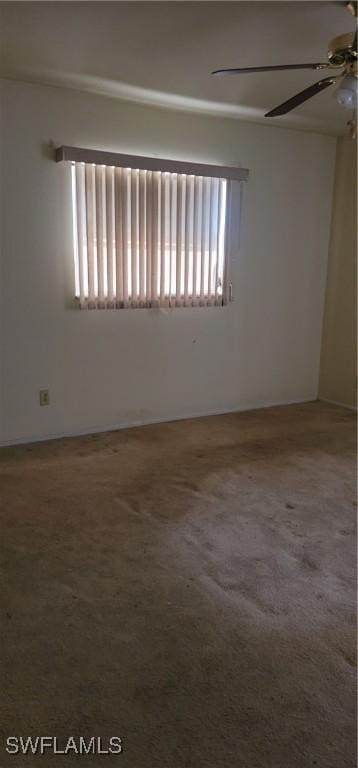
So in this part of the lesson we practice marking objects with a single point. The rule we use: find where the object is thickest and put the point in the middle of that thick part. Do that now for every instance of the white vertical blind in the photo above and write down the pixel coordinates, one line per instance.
(99, 196)
(133, 292)
(110, 241)
(142, 218)
(155, 238)
(163, 235)
(148, 238)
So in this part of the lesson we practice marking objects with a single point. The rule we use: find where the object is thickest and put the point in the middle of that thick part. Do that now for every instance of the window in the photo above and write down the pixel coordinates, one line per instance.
(147, 237)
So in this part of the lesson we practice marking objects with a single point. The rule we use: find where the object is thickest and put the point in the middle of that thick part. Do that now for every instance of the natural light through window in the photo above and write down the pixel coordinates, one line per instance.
(147, 238)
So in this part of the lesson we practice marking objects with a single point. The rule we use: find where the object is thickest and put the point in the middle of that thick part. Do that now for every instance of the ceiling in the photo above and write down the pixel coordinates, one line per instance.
(162, 53)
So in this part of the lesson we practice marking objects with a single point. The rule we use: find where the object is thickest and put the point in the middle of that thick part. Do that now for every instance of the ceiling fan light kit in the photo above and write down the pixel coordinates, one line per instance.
(342, 55)
(346, 93)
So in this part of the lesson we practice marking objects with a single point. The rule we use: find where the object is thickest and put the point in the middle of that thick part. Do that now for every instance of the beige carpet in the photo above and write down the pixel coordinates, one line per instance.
(189, 587)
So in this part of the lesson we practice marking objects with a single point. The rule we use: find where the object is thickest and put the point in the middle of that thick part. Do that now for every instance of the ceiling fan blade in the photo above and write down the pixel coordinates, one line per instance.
(278, 67)
(299, 98)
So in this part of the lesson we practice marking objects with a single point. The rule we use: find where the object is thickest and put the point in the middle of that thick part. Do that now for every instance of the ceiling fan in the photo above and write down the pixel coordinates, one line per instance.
(342, 54)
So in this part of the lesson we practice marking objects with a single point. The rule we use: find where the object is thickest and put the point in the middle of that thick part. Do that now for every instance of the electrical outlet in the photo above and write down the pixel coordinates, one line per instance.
(44, 397)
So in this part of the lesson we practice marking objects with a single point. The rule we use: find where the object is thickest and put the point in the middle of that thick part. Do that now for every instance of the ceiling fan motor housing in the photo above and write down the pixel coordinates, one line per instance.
(341, 51)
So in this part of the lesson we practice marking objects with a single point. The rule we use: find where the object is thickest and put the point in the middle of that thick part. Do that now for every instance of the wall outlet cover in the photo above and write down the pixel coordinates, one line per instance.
(44, 396)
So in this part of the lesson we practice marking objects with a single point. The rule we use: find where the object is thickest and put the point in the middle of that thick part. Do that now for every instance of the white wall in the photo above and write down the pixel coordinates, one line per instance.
(338, 375)
(110, 368)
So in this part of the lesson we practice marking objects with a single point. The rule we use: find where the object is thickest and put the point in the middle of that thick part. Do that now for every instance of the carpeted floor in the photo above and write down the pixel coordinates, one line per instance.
(187, 586)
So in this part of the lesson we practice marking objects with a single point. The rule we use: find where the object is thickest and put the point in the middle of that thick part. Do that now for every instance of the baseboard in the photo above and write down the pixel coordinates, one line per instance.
(147, 422)
(335, 402)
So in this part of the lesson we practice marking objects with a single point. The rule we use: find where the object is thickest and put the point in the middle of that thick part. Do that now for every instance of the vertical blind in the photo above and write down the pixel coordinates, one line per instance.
(148, 238)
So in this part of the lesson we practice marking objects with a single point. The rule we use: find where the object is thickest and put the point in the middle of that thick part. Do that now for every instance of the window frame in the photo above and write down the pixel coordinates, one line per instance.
(212, 177)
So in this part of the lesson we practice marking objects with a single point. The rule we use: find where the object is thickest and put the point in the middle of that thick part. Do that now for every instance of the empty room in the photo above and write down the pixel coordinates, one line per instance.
(178, 384)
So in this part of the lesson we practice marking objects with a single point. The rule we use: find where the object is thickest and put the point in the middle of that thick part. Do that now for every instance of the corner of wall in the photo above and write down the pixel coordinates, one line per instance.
(338, 365)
